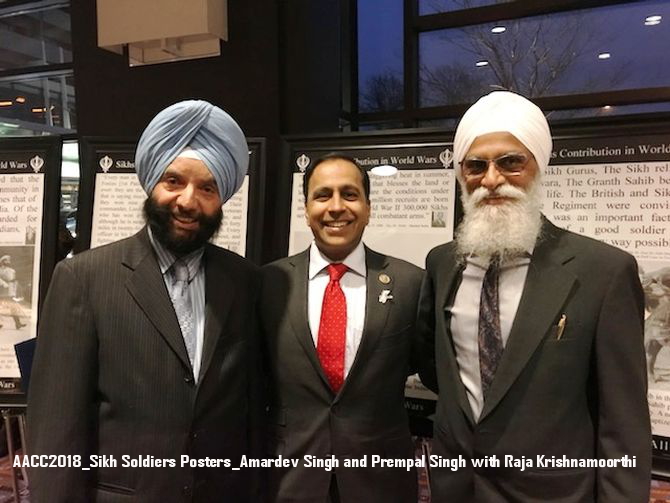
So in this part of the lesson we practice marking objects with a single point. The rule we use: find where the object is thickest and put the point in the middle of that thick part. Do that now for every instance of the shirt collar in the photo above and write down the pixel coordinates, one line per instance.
(166, 258)
(514, 262)
(355, 261)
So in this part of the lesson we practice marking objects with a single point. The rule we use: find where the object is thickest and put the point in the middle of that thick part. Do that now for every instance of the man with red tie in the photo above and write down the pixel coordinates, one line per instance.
(338, 324)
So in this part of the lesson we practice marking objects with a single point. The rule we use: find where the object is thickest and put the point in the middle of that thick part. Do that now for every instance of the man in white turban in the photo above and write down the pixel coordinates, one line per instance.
(146, 366)
(531, 335)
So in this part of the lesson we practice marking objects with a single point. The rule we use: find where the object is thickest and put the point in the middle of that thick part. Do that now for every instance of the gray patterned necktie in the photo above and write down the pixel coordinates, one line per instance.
(181, 300)
(490, 335)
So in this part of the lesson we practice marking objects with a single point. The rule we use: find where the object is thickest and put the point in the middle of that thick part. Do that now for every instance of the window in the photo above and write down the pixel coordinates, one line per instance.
(36, 78)
(585, 62)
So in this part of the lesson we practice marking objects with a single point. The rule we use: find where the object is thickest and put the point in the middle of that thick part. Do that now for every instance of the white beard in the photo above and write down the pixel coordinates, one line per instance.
(509, 229)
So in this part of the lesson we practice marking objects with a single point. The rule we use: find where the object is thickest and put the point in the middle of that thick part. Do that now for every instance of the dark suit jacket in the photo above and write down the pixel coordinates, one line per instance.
(112, 377)
(367, 416)
(582, 396)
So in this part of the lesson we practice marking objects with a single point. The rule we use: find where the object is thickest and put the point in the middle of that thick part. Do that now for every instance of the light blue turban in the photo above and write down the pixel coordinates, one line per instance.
(209, 131)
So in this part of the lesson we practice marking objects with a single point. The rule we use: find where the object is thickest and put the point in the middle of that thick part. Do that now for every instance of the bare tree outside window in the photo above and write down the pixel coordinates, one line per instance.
(533, 56)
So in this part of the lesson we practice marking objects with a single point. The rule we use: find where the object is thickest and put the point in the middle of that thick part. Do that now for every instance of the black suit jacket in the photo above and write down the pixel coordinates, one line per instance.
(367, 416)
(112, 377)
(582, 396)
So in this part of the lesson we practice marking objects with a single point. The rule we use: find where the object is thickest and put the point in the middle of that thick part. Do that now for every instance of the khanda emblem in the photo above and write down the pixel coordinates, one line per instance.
(446, 156)
(36, 163)
(302, 162)
(106, 163)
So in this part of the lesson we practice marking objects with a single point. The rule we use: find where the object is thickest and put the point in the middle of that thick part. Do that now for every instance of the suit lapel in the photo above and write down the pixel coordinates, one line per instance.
(452, 275)
(219, 290)
(376, 312)
(298, 311)
(547, 287)
(147, 287)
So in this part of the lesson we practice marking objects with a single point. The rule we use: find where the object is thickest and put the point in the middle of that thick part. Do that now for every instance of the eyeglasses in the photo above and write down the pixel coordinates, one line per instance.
(511, 164)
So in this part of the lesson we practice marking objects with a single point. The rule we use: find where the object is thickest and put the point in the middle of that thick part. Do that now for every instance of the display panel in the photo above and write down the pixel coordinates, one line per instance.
(111, 198)
(29, 195)
(617, 189)
(412, 211)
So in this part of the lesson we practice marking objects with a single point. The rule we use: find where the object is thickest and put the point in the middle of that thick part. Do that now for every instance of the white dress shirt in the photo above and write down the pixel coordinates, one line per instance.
(465, 318)
(354, 288)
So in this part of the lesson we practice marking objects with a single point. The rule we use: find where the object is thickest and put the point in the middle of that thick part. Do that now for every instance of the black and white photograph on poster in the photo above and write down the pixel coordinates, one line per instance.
(16, 284)
(656, 285)
(412, 199)
(16, 307)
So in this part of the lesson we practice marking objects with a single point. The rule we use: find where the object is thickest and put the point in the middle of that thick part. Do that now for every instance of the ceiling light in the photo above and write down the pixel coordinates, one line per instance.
(604, 55)
(482, 63)
(498, 29)
(38, 110)
(652, 20)
(20, 99)
(384, 170)
(7, 103)
(607, 107)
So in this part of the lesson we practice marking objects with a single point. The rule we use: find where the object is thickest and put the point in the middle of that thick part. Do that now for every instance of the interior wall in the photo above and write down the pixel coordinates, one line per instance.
(311, 65)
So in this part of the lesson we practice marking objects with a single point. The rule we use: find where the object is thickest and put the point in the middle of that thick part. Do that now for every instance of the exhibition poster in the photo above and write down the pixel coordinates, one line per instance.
(617, 190)
(412, 210)
(118, 198)
(22, 186)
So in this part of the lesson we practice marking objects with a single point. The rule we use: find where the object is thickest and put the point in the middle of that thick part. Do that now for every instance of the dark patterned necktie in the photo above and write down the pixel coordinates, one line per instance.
(332, 328)
(490, 336)
(181, 300)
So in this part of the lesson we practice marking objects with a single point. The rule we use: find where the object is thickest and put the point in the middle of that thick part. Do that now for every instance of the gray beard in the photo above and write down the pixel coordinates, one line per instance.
(507, 230)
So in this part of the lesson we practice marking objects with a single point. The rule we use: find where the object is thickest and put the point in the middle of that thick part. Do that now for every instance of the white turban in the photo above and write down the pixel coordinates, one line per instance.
(212, 135)
(504, 111)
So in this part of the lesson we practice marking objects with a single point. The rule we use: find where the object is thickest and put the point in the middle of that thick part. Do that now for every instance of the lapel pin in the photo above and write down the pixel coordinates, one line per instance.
(384, 279)
(384, 296)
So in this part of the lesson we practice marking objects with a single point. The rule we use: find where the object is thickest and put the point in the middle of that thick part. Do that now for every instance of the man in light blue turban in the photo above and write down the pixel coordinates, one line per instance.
(146, 351)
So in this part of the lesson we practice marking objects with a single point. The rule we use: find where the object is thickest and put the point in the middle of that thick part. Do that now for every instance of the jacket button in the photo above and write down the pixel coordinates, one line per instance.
(188, 379)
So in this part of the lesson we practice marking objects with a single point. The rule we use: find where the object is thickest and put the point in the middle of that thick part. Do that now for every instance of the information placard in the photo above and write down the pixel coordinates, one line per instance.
(112, 198)
(617, 190)
(29, 176)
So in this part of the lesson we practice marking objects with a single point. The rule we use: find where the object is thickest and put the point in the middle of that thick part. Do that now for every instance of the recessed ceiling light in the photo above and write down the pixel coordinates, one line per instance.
(607, 107)
(604, 55)
(482, 63)
(38, 110)
(6, 103)
(384, 170)
(653, 19)
(20, 99)
(498, 29)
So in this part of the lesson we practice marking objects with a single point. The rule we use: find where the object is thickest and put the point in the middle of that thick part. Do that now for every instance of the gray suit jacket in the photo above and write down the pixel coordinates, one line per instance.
(367, 416)
(582, 396)
(112, 377)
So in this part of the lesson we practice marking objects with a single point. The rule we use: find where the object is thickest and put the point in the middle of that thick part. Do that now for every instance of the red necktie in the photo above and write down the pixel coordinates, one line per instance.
(332, 329)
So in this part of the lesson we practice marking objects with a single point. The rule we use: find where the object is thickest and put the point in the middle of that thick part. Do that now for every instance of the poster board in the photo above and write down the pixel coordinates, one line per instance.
(111, 198)
(29, 202)
(607, 181)
(411, 212)
(614, 186)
